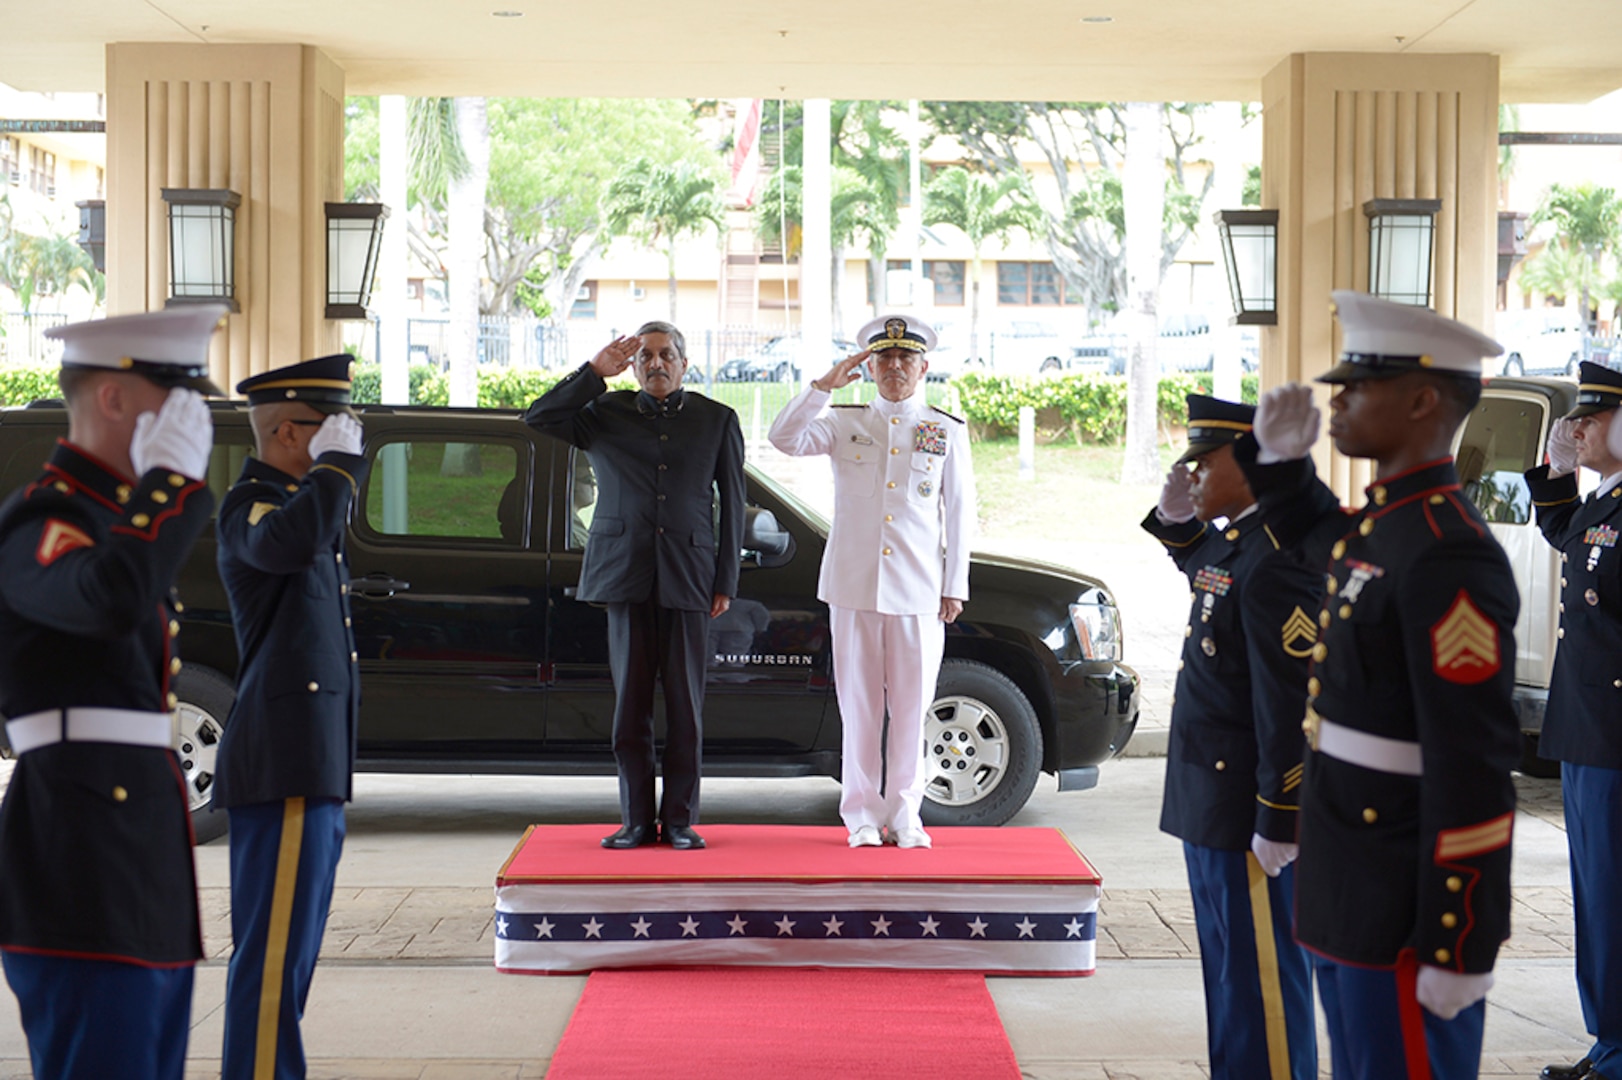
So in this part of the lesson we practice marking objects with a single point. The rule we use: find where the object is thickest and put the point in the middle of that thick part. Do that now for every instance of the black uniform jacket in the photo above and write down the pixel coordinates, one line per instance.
(1416, 645)
(1583, 724)
(653, 532)
(95, 842)
(1233, 765)
(281, 555)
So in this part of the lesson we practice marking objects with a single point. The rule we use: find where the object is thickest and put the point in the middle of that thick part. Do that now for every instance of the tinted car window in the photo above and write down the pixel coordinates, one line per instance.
(1499, 444)
(431, 487)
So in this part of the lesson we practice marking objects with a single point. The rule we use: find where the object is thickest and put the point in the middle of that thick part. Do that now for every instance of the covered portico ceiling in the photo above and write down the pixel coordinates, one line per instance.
(1192, 50)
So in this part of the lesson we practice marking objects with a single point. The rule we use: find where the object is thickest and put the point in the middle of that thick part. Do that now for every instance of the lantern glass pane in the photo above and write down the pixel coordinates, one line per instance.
(349, 244)
(200, 250)
(1400, 258)
(1254, 272)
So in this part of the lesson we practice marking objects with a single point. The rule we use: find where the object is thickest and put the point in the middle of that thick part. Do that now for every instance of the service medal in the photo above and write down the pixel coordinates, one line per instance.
(926, 488)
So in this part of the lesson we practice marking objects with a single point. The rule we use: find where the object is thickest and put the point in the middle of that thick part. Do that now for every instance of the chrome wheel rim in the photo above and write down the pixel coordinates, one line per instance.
(197, 741)
(966, 751)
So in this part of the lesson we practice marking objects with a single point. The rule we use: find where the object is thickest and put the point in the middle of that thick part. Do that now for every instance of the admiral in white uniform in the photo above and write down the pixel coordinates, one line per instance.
(896, 569)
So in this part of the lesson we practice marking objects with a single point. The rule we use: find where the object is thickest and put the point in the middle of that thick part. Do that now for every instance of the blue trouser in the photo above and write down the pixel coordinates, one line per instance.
(1593, 798)
(1379, 1031)
(1258, 985)
(101, 1019)
(284, 857)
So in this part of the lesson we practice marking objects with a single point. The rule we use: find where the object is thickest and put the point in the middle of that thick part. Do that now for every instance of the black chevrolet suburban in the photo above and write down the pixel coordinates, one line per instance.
(476, 656)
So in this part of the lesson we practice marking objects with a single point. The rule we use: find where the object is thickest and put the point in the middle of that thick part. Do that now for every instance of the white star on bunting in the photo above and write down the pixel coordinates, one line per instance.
(929, 924)
(689, 927)
(785, 925)
(593, 928)
(737, 924)
(1072, 928)
(881, 925)
(977, 928)
(833, 924)
(501, 926)
(1025, 927)
(641, 926)
(544, 927)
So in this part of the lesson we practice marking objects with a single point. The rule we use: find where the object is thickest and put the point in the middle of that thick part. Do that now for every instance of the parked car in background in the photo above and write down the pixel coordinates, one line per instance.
(951, 355)
(784, 358)
(1539, 341)
(1026, 347)
(1186, 342)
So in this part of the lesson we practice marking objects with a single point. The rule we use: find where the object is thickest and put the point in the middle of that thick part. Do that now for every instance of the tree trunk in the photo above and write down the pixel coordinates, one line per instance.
(670, 263)
(465, 203)
(974, 312)
(1143, 195)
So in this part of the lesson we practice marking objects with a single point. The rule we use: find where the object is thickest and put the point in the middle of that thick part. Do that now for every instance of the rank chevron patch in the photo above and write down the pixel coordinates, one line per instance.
(1300, 634)
(58, 539)
(1464, 644)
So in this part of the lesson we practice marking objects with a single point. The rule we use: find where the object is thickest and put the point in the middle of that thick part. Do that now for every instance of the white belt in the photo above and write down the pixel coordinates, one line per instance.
(1370, 751)
(131, 727)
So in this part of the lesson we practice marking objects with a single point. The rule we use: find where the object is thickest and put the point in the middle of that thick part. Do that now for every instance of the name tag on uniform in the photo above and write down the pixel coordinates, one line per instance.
(929, 438)
(861, 440)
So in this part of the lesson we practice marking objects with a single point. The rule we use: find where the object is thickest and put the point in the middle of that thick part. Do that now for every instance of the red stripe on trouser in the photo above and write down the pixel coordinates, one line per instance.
(1411, 1015)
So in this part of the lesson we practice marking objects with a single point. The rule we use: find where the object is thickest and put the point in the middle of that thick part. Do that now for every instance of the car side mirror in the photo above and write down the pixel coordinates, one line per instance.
(765, 543)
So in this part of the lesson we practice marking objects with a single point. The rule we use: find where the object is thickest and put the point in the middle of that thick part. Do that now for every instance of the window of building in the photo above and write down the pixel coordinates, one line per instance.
(947, 274)
(585, 302)
(10, 166)
(1035, 284)
(42, 171)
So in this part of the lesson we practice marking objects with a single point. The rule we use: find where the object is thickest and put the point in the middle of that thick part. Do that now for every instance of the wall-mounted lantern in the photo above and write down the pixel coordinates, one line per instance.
(202, 246)
(354, 238)
(93, 231)
(1402, 234)
(1250, 253)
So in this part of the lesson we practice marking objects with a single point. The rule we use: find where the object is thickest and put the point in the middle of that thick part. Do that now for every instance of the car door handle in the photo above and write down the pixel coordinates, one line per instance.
(378, 586)
(571, 590)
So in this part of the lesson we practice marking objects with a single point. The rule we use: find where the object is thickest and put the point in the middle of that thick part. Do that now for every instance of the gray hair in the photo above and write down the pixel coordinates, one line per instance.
(659, 326)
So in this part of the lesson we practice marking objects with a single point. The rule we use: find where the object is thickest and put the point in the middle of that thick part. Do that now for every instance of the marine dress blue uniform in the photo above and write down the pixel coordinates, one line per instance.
(1233, 770)
(288, 752)
(99, 924)
(1582, 728)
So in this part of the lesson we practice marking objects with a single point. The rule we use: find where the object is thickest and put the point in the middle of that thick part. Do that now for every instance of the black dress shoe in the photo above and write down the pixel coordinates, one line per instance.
(630, 836)
(1568, 1072)
(682, 838)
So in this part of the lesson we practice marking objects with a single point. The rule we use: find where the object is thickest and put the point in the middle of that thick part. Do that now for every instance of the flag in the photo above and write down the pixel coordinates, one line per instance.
(745, 152)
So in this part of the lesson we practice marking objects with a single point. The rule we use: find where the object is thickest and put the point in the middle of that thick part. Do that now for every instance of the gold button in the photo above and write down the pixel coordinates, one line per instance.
(346, 620)
(340, 558)
(1455, 883)
(1346, 611)
(895, 419)
(1221, 766)
(887, 551)
(176, 480)
(292, 487)
(353, 657)
(313, 687)
(1450, 920)
(174, 666)
(1367, 526)
(1179, 665)
(1437, 500)
(1564, 557)
(1331, 586)
(1562, 607)
(140, 521)
(62, 487)
(890, 484)
(1319, 651)
(123, 493)
(1379, 493)
(858, 457)
(1617, 683)
(1561, 633)
(1338, 550)
(1188, 631)
(1314, 686)
(174, 628)
(1231, 534)
(1323, 618)
(895, 450)
(1443, 956)
(1562, 583)
(179, 606)
(173, 700)
(344, 588)
(160, 497)
(889, 517)
(120, 794)
(664, 438)
(1370, 815)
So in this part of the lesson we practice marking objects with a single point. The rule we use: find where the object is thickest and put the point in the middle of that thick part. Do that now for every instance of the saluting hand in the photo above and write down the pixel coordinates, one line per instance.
(1563, 446)
(340, 432)
(177, 437)
(616, 356)
(843, 373)
(1286, 423)
(1176, 504)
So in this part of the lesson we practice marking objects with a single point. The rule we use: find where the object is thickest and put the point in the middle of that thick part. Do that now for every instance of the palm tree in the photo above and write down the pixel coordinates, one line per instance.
(983, 209)
(663, 202)
(1587, 220)
(855, 209)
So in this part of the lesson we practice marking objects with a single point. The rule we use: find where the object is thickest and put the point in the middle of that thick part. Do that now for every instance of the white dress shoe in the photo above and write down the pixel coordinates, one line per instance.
(868, 836)
(911, 838)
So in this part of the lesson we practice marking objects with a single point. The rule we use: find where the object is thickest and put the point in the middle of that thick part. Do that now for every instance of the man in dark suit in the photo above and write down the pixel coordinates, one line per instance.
(1233, 765)
(1582, 728)
(1407, 806)
(654, 556)
(285, 760)
(98, 893)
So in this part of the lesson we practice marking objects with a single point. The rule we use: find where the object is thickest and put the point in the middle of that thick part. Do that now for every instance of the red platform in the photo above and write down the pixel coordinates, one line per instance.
(990, 900)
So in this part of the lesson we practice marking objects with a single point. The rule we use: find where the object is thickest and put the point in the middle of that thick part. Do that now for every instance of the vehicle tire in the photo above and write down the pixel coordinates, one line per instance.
(781, 373)
(982, 747)
(1513, 365)
(1049, 366)
(1532, 765)
(205, 702)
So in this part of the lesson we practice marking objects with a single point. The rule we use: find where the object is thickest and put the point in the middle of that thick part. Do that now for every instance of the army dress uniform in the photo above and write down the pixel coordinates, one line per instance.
(286, 758)
(98, 893)
(1582, 726)
(1233, 770)
(654, 556)
(904, 509)
(1407, 805)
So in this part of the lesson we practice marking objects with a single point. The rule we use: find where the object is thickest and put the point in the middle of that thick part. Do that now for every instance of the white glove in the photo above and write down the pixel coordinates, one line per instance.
(1272, 854)
(1286, 424)
(1563, 446)
(1175, 505)
(340, 432)
(1448, 993)
(177, 437)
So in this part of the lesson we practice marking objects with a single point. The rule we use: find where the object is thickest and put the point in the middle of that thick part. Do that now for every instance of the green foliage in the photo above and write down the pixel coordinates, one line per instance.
(499, 388)
(1092, 408)
(1251, 192)
(20, 385)
(653, 202)
(855, 209)
(984, 208)
(434, 148)
(513, 388)
(360, 150)
(428, 385)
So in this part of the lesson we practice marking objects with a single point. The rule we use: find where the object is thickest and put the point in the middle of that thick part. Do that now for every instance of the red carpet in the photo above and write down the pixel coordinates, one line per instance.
(742, 1023)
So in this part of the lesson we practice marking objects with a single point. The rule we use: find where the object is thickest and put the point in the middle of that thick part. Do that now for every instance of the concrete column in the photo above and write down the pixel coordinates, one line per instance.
(265, 121)
(816, 250)
(1343, 128)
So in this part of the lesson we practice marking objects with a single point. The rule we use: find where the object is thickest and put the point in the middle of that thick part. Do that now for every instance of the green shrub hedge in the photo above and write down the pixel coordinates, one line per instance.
(20, 385)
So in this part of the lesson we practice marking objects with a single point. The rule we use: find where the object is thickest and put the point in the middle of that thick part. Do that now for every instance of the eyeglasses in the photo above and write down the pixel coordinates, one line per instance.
(306, 423)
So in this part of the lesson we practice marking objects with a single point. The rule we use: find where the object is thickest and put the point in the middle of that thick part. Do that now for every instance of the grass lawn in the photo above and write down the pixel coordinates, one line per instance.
(1076, 492)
